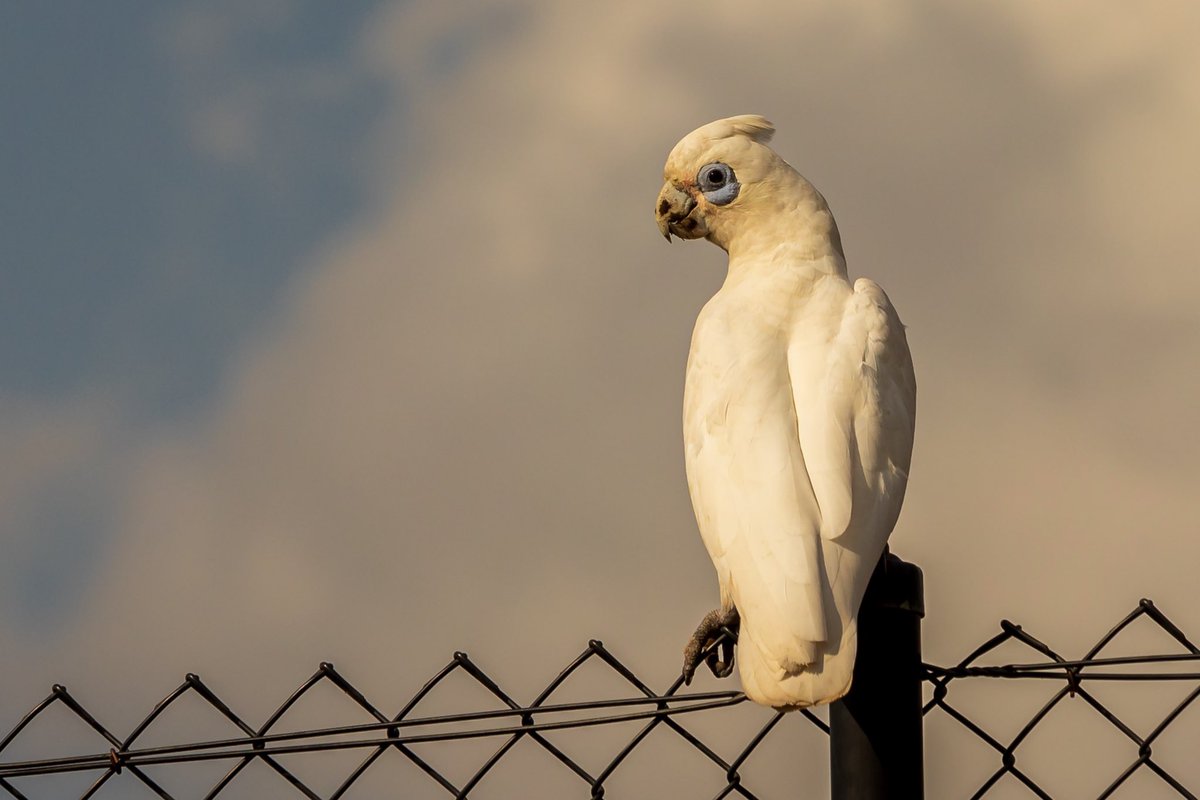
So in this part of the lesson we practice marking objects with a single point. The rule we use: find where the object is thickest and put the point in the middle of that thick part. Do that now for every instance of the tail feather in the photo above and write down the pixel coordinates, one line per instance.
(775, 683)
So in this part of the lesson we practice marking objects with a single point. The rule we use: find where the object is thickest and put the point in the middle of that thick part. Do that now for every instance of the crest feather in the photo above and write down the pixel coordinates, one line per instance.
(753, 126)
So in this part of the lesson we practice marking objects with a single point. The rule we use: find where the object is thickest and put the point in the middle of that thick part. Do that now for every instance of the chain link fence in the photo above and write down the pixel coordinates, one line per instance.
(1091, 668)
(117, 759)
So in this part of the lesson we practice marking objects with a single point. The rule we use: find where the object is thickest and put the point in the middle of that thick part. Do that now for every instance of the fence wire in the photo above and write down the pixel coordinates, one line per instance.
(399, 731)
(1091, 667)
(122, 756)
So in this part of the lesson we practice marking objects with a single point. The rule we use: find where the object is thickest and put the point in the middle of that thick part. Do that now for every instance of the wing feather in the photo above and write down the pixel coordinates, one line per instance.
(855, 401)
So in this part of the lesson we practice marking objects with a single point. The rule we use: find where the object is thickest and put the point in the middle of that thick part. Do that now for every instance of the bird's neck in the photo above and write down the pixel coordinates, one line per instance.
(784, 254)
(788, 223)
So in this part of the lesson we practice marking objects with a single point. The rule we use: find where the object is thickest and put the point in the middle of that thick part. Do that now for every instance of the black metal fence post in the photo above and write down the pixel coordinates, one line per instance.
(876, 749)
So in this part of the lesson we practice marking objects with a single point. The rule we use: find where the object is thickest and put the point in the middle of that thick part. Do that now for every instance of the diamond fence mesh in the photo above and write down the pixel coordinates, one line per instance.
(1093, 667)
(116, 759)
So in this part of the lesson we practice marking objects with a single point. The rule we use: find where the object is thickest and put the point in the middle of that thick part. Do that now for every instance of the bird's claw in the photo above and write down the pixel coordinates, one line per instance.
(712, 644)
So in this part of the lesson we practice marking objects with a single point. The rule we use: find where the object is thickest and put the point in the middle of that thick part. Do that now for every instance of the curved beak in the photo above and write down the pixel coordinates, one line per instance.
(673, 205)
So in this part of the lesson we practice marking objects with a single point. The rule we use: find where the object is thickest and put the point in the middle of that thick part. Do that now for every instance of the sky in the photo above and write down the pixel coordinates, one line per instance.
(344, 332)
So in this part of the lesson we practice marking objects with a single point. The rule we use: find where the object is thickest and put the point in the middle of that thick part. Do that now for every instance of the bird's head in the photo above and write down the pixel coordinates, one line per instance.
(722, 180)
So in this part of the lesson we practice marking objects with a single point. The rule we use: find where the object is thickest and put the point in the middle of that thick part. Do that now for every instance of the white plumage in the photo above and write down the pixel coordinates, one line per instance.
(799, 408)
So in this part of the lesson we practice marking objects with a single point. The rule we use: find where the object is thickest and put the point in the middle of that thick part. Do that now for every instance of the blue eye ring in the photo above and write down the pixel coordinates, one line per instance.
(718, 183)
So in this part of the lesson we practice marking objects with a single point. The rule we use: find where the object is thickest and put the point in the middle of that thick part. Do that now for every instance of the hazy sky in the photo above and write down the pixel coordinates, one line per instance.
(344, 331)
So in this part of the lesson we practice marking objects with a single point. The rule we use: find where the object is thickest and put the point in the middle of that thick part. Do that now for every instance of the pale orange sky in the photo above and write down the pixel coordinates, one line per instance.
(460, 425)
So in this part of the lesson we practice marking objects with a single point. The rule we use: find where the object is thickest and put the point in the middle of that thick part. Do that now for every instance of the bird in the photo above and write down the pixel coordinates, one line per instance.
(798, 419)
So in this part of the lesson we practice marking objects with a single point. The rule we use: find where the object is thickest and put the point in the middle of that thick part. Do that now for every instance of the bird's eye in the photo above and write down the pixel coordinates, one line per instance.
(719, 184)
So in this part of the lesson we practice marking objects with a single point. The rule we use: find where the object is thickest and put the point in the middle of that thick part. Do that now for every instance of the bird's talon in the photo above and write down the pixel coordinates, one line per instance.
(712, 644)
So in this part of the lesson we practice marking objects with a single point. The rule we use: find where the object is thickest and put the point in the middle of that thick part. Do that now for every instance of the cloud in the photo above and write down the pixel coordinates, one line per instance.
(60, 466)
(461, 430)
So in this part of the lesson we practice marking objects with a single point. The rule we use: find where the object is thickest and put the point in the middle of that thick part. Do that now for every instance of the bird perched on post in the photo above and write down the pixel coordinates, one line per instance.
(799, 407)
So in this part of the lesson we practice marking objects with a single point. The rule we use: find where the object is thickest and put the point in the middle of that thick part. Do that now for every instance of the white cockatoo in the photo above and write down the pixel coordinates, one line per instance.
(798, 417)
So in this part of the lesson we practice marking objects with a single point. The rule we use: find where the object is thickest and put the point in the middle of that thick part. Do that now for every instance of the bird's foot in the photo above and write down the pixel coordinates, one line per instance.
(712, 643)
